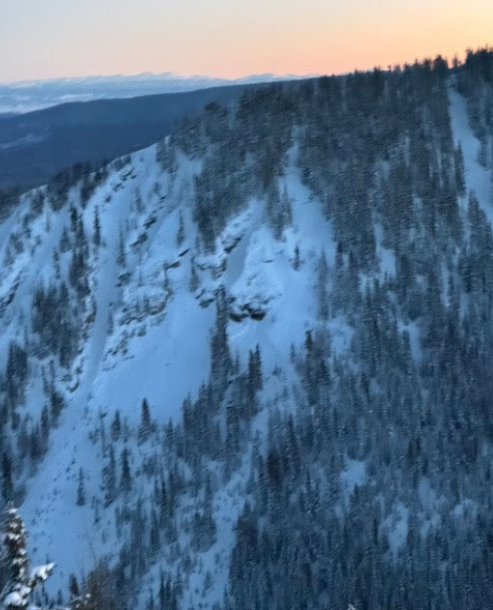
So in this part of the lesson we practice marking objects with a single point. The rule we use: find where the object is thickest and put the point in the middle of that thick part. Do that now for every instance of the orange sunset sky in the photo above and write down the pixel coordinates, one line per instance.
(231, 38)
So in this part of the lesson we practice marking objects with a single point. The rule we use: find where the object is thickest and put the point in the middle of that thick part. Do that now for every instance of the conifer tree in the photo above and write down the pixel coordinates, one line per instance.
(116, 427)
(180, 236)
(109, 478)
(97, 228)
(221, 363)
(194, 278)
(121, 256)
(18, 590)
(322, 297)
(7, 483)
(296, 261)
(258, 367)
(146, 425)
(81, 492)
(73, 586)
(126, 480)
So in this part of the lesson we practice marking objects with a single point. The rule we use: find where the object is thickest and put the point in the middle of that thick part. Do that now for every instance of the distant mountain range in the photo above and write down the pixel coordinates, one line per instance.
(37, 145)
(27, 96)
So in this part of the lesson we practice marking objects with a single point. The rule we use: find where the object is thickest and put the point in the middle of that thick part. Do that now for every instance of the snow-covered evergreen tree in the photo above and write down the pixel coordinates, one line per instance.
(17, 593)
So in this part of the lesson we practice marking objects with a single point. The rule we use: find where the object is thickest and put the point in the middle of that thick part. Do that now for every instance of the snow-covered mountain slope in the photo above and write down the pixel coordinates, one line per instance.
(146, 333)
(478, 178)
(109, 295)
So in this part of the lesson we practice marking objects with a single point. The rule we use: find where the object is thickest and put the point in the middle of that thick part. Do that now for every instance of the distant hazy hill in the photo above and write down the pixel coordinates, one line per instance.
(37, 145)
(27, 96)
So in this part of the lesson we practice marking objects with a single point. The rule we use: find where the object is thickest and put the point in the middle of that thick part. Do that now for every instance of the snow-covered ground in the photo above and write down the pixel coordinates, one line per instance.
(150, 334)
(478, 179)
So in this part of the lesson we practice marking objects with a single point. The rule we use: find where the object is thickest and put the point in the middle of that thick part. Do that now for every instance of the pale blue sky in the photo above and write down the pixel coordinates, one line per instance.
(52, 38)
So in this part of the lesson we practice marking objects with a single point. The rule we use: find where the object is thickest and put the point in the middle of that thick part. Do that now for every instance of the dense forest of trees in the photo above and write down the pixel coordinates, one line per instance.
(376, 489)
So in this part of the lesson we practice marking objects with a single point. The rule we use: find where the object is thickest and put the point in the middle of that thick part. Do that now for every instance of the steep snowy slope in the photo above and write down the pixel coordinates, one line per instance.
(146, 332)
(478, 178)
(323, 295)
